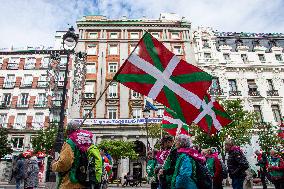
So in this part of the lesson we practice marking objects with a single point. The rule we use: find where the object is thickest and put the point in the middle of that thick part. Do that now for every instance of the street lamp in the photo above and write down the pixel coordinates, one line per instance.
(70, 40)
(146, 113)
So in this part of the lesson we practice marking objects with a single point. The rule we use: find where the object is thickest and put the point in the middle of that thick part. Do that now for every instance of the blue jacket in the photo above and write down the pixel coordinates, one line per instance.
(184, 173)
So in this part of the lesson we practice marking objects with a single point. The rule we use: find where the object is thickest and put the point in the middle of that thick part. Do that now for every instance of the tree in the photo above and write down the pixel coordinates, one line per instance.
(5, 147)
(268, 138)
(44, 140)
(119, 148)
(240, 129)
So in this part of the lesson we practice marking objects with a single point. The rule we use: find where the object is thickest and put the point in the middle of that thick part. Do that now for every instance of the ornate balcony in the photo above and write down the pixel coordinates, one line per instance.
(216, 92)
(40, 105)
(56, 103)
(26, 85)
(272, 93)
(42, 84)
(13, 66)
(235, 93)
(89, 96)
(20, 105)
(29, 66)
(253, 93)
(9, 85)
(4, 105)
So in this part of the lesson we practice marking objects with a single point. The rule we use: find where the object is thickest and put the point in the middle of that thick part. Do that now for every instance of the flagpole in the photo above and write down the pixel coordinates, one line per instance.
(88, 114)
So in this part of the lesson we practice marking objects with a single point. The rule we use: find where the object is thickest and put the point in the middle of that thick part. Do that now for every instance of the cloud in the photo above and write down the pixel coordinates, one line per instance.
(34, 22)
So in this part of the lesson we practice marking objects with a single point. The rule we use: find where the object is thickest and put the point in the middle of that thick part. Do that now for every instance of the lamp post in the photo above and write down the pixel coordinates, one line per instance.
(70, 40)
(146, 113)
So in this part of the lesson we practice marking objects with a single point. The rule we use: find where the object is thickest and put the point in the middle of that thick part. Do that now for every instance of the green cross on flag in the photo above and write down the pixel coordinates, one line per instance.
(173, 125)
(212, 116)
(154, 71)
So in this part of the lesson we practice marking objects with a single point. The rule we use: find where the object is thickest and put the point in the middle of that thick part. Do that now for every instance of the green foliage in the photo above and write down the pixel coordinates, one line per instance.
(268, 138)
(5, 148)
(154, 130)
(45, 140)
(240, 129)
(119, 148)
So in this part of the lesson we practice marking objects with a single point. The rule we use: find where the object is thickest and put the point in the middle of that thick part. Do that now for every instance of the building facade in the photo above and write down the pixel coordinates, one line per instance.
(108, 43)
(31, 83)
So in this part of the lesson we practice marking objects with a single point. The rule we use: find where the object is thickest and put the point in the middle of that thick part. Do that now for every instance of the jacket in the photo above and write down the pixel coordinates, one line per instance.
(31, 173)
(237, 163)
(182, 177)
(275, 168)
(150, 169)
(215, 168)
(168, 170)
(94, 153)
(63, 166)
(19, 171)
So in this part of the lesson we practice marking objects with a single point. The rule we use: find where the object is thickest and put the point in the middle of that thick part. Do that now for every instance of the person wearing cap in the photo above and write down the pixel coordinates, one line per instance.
(63, 165)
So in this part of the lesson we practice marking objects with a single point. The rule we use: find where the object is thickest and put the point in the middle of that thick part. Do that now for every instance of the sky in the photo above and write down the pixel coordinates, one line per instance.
(34, 22)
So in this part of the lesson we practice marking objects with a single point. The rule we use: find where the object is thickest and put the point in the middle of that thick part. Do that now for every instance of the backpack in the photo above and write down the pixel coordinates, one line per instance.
(224, 172)
(202, 176)
(83, 167)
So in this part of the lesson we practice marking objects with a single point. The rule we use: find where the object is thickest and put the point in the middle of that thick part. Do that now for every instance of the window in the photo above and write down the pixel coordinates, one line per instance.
(156, 35)
(88, 111)
(60, 81)
(45, 62)
(276, 113)
(233, 85)
(270, 85)
(13, 63)
(3, 119)
(134, 35)
(112, 113)
(113, 50)
(112, 67)
(91, 68)
(136, 112)
(38, 121)
(20, 121)
(244, 57)
(23, 102)
(112, 91)
(6, 100)
(55, 116)
(41, 99)
(1, 62)
(9, 81)
(135, 94)
(175, 35)
(27, 80)
(160, 112)
(257, 110)
(30, 63)
(113, 35)
(278, 57)
(261, 57)
(132, 46)
(17, 143)
(252, 85)
(205, 43)
(93, 35)
(207, 55)
(90, 87)
(63, 62)
(226, 56)
(92, 50)
(215, 84)
(42, 81)
(177, 50)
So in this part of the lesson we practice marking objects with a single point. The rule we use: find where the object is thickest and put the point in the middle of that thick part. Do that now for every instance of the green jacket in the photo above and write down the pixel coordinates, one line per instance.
(94, 152)
(277, 171)
(150, 169)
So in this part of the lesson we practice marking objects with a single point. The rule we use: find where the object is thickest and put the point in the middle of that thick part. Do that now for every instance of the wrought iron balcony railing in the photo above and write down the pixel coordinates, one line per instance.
(235, 93)
(13, 66)
(40, 104)
(89, 96)
(216, 92)
(253, 93)
(20, 105)
(9, 85)
(272, 93)
(4, 104)
(42, 84)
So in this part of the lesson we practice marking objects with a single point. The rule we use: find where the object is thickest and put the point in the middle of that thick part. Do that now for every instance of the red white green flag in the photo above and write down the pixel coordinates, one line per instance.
(212, 116)
(281, 129)
(154, 71)
(173, 125)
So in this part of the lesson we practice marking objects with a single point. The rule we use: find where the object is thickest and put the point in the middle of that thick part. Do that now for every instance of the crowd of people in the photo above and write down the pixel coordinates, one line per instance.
(189, 167)
(25, 171)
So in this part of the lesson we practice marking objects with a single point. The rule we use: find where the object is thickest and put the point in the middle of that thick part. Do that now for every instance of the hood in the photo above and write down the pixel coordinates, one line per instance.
(82, 139)
(236, 148)
(192, 153)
